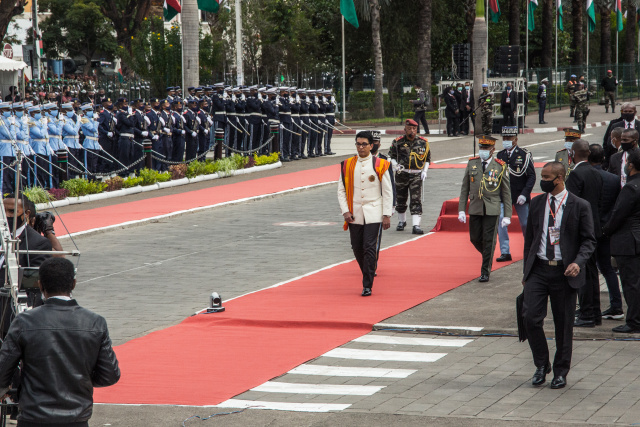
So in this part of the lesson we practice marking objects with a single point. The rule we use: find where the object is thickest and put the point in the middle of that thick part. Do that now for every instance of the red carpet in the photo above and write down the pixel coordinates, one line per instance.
(132, 211)
(464, 165)
(448, 219)
(210, 358)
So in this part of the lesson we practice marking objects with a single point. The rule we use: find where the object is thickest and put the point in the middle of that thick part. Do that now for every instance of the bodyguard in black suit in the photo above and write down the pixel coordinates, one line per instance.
(629, 145)
(508, 105)
(451, 112)
(624, 230)
(627, 120)
(554, 268)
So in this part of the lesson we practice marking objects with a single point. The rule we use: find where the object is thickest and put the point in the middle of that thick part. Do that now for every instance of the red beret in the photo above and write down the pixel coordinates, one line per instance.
(411, 122)
(609, 71)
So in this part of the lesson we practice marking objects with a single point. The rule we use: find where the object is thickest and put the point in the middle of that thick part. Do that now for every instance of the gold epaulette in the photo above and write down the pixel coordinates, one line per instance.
(473, 158)
(500, 162)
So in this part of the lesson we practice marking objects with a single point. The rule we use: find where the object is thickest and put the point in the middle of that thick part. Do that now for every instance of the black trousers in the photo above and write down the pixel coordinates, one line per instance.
(542, 104)
(589, 294)
(108, 145)
(603, 256)
(507, 114)
(547, 281)
(138, 152)
(177, 148)
(364, 242)
(464, 122)
(125, 153)
(482, 233)
(305, 139)
(629, 267)
(90, 161)
(191, 147)
(453, 124)
(419, 117)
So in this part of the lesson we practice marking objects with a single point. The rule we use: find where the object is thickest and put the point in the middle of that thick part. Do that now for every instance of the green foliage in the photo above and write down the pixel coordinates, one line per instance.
(37, 194)
(82, 187)
(114, 183)
(266, 159)
(132, 181)
(196, 168)
(152, 176)
(226, 166)
(239, 161)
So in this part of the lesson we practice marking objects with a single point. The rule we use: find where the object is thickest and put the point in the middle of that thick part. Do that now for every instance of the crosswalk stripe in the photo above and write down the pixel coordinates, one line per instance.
(379, 326)
(283, 406)
(346, 371)
(386, 339)
(342, 389)
(399, 356)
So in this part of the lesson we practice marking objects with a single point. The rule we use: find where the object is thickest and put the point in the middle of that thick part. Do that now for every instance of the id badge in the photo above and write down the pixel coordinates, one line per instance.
(508, 100)
(554, 235)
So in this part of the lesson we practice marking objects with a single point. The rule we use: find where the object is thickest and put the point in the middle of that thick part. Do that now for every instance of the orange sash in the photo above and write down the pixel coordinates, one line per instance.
(348, 168)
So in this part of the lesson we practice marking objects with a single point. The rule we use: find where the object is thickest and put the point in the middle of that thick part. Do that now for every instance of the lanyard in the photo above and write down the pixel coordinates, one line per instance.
(553, 214)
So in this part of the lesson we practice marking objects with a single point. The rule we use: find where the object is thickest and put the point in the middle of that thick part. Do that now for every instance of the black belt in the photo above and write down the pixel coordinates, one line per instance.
(550, 263)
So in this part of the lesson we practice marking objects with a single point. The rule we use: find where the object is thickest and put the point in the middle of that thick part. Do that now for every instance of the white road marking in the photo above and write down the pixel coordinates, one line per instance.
(399, 326)
(386, 339)
(397, 356)
(283, 406)
(341, 389)
(347, 371)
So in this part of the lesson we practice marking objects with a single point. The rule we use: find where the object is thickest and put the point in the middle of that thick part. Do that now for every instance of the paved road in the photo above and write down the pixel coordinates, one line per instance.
(152, 276)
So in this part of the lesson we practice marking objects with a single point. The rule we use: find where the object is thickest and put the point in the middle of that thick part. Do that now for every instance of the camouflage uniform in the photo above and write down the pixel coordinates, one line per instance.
(581, 99)
(571, 88)
(412, 155)
(486, 109)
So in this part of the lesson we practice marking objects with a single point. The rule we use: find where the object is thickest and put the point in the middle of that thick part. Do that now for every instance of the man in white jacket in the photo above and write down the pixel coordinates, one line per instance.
(365, 194)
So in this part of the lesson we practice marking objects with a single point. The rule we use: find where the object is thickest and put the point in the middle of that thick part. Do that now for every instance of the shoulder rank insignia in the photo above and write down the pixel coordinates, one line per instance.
(399, 138)
(422, 138)
(500, 162)
(560, 151)
(473, 158)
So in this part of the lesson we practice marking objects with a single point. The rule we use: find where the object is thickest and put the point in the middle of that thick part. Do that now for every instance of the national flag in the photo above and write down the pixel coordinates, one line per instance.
(494, 10)
(348, 10)
(559, 12)
(171, 8)
(618, 10)
(209, 5)
(533, 4)
(120, 75)
(591, 16)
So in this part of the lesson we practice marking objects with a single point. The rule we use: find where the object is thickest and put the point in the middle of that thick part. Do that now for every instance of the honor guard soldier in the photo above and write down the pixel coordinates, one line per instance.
(155, 130)
(90, 143)
(305, 139)
(330, 113)
(125, 124)
(564, 156)
(410, 156)
(7, 137)
(522, 178)
(70, 136)
(284, 111)
(320, 146)
(205, 126)
(273, 118)
(570, 89)
(316, 135)
(230, 111)
(39, 141)
(165, 127)
(140, 132)
(192, 126)
(485, 185)
(486, 110)
(106, 135)
(254, 118)
(542, 100)
(581, 97)
(240, 106)
(54, 130)
(294, 101)
(179, 132)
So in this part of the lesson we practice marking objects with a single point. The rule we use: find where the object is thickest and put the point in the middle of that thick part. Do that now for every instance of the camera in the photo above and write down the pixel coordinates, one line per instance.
(44, 222)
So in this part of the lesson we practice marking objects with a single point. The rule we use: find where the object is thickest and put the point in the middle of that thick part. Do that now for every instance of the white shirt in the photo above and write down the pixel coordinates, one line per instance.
(372, 199)
(578, 164)
(629, 125)
(61, 297)
(623, 176)
(542, 251)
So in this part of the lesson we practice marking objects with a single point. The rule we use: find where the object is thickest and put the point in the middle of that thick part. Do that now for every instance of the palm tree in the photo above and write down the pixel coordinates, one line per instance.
(577, 41)
(548, 7)
(514, 22)
(480, 49)
(605, 7)
(424, 46)
(370, 11)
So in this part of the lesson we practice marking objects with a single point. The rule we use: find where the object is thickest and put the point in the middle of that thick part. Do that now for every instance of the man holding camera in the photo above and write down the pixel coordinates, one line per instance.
(419, 107)
(65, 351)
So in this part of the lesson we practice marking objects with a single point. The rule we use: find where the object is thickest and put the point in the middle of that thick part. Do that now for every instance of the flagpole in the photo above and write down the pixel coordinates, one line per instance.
(555, 77)
(617, 52)
(343, 75)
(526, 60)
(486, 68)
(587, 76)
(239, 69)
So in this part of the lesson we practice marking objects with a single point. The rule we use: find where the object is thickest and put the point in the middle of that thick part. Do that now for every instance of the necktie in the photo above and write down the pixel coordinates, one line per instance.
(484, 166)
(551, 252)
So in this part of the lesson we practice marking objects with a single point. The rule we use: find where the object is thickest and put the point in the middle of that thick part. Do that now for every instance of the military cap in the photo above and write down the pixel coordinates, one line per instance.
(262, 89)
(106, 100)
(17, 106)
(573, 75)
(411, 122)
(190, 88)
(67, 106)
(121, 100)
(176, 88)
(154, 100)
(254, 87)
(302, 91)
(176, 101)
(201, 100)
(572, 133)
(271, 91)
(86, 106)
(34, 109)
(293, 88)
(28, 104)
(485, 85)
(245, 90)
(198, 89)
(219, 85)
(192, 100)
(228, 89)
(311, 91)
(49, 106)
(5, 105)
(376, 135)
(138, 100)
(237, 89)
(509, 131)
(269, 86)
(544, 80)
(487, 140)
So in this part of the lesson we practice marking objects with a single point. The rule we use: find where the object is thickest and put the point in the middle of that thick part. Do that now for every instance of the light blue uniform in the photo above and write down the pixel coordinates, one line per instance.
(70, 132)
(7, 135)
(54, 128)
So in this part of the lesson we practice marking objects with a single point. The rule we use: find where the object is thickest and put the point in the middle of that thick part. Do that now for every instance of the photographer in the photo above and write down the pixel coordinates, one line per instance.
(43, 224)
(65, 351)
(419, 107)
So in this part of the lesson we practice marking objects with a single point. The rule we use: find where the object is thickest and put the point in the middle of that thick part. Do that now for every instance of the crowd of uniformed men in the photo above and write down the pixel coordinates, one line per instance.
(108, 136)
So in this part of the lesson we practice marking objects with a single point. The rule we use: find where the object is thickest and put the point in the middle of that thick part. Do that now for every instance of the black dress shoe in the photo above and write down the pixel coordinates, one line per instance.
(598, 321)
(626, 329)
(484, 278)
(295, 158)
(286, 160)
(503, 258)
(558, 382)
(303, 157)
(401, 226)
(312, 155)
(366, 292)
(540, 376)
(417, 230)
(330, 153)
(581, 323)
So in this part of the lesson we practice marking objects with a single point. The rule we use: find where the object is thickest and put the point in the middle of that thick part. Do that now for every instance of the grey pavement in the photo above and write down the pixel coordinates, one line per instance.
(153, 276)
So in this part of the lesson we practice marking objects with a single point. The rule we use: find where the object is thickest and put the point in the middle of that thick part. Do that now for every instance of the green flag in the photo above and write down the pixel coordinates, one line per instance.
(209, 5)
(591, 16)
(559, 12)
(533, 4)
(348, 10)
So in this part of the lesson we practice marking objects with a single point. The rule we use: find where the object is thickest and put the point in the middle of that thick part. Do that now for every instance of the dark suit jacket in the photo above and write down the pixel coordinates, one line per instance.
(624, 225)
(577, 239)
(33, 240)
(615, 162)
(609, 150)
(585, 182)
(520, 185)
(452, 104)
(514, 101)
(610, 191)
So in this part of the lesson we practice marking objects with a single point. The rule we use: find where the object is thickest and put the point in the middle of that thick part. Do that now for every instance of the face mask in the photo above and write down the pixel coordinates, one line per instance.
(626, 146)
(451, 91)
(508, 87)
(19, 113)
(508, 145)
(466, 87)
(37, 116)
(484, 154)
(626, 170)
(568, 145)
(19, 222)
(459, 89)
(54, 113)
(90, 114)
(547, 186)
(6, 114)
(627, 116)
(70, 114)
(109, 107)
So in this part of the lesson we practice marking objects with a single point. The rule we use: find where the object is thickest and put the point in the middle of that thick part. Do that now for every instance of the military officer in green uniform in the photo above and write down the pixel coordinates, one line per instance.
(486, 110)
(485, 185)
(410, 157)
(581, 97)
(564, 156)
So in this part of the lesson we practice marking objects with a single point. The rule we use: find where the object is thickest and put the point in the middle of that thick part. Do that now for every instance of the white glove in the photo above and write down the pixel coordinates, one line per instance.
(206, 131)
(209, 120)
(183, 132)
(521, 200)
(110, 134)
(505, 222)
(462, 217)
(115, 120)
(193, 134)
(281, 126)
(145, 133)
(423, 174)
(166, 130)
(161, 121)
(146, 119)
(155, 137)
(394, 165)
(198, 119)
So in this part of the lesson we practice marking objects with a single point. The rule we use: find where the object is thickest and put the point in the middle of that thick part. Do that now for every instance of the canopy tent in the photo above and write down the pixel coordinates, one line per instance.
(9, 74)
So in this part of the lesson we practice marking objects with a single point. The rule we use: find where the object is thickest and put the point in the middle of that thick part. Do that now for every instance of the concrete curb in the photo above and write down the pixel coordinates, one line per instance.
(158, 186)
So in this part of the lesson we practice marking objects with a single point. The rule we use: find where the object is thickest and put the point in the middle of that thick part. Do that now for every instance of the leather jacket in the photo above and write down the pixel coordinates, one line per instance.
(66, 351)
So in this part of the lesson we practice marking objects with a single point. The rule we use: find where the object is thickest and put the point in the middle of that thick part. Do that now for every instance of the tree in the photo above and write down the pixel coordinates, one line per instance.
(9, 9)
(514, 22)
(577, 41)
(604, 8)
(548, 8)
(77, 28)
(630, 51)
(425, 14)
(479, 54)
